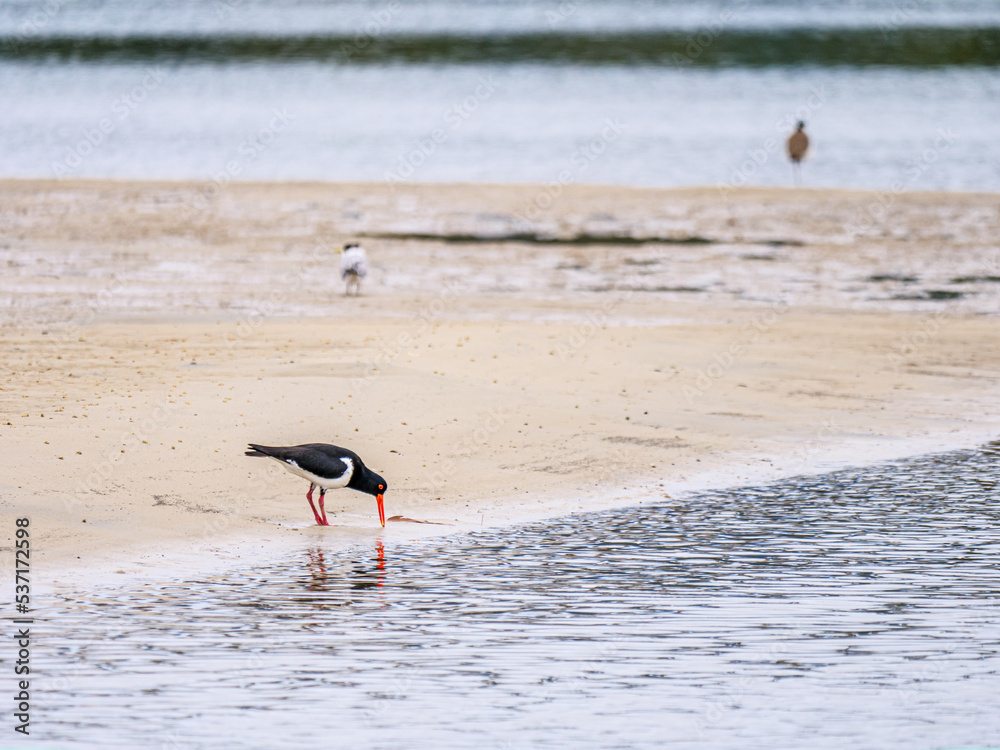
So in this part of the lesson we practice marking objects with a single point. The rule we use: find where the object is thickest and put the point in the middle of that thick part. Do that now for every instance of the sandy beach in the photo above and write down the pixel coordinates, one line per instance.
(517, 352)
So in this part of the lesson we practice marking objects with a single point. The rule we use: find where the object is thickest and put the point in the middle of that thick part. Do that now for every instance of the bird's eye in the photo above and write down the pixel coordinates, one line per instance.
(381, 487)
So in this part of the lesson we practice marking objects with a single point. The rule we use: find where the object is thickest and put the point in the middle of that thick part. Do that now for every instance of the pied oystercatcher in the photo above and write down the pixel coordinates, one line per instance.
(327, 467)
(353, 267)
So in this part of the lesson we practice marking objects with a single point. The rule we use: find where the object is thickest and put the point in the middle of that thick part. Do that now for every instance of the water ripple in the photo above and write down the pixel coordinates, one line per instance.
(855, 609)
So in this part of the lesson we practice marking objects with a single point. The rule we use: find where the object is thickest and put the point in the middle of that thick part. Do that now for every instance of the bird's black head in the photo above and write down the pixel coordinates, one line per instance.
(376, 484)
(373, 484)
(801, 124)
(368, 481)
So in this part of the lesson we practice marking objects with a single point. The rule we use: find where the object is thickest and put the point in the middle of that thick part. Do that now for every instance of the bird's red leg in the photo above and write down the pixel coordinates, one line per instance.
(322, 509)
(309, 497)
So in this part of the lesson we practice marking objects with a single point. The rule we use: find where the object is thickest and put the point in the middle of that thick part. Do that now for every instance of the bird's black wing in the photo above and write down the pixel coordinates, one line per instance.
(320, 463)
(334, 452)
(316, 458)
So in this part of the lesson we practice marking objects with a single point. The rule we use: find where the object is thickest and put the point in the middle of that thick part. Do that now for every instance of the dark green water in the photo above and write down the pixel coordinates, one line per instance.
(739, 47)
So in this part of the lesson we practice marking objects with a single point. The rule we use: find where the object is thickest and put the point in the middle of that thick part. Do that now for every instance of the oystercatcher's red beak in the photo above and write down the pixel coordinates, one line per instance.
(381, 509)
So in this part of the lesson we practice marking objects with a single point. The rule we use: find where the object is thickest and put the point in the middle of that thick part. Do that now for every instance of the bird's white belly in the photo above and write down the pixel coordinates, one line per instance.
(325, 482)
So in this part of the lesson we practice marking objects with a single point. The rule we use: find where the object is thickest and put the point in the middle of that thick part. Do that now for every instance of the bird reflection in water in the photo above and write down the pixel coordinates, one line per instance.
(365, 574)
(367, 577)
(318, 579)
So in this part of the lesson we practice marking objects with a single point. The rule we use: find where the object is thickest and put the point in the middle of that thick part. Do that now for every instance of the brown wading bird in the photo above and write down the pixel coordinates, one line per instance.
(798, 144)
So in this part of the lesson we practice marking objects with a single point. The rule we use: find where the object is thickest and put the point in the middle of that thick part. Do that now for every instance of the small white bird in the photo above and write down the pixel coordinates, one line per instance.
(353, 267)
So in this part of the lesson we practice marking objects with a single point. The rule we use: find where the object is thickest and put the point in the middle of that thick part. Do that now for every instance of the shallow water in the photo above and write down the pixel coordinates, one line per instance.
(511, 123)
(897, 95)
(850, 610)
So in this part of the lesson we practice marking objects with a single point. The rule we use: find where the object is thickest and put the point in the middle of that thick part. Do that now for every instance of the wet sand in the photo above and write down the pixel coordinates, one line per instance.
(513, 355)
